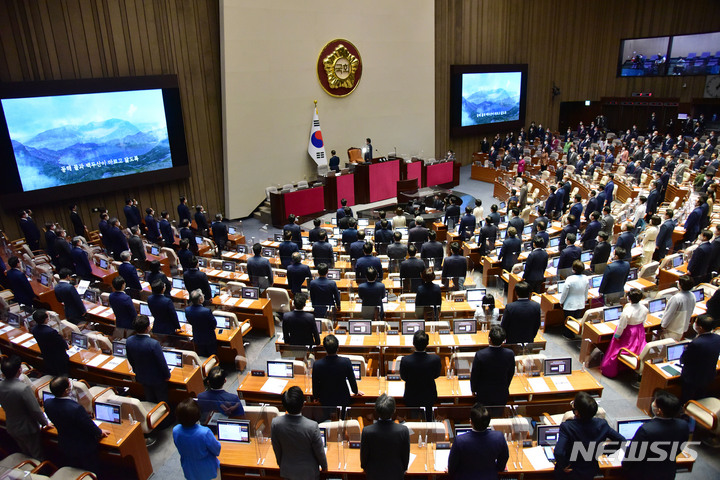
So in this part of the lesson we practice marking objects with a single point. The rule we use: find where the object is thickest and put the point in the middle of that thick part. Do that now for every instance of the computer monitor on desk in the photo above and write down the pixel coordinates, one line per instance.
(586, 256)
(280, 369)
(628, 428)
(178, 283)
(464, 327)
(657, 306)
(674, 352)
(145, 309)
(268, 252)
(107, 412)
(699, 294)
(612, 313)
(154, 250)
(554, 242)
(360, 327)
(475, 296)
(173, 358)
(409, 327)
(250, 293)
(237, 431)
(558, 366)
(333, 274)
(79, 340)
(228, 266)
(119, 349)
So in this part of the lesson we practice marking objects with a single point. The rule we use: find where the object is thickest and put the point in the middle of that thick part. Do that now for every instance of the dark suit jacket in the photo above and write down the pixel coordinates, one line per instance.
(521, 321)
(192, 245)
(418, 235)
(563, 235)
(601, 253)
(116, 241)
(371, 293)
(518, 223)
(167, 232)
(419, 370)
(123, 308)
(452, 211)
(137, 248)
(20, 286)
(194, 279)
(294, 228)
(589, 237)
(509, 252)
(50, 237)
(285, 250)
(82, 264)
(614, 277)
(78, 224)
(53, 349)
(166, 319)
(467, 226)
(329, 375)
(592, 206)
(147, 360)
(411, 269)
(535, 265)
(568, 256)
(432, 250)
(151, 277)
(131, 218)
(664, 237)
(492, 371)
(478, 456)
(203, 323)
(129, 273)
(78, 435)
(365, 262)
(356, 249)
(314, 234)
(298, 447)
(397, 251)
(349, 236)
(201, 222)
(385, 450)
(69, 297)
(324, 292)
(220, 233)
(153, 229)
(428, 294)
(183, 213)
(296, 275)
(626, 240)
(63, 254)
(322, 252)
(30, 232)
(454, 266)
(656, 430)
(595, 430)
(699, 359)
(299, 328)
(700, 260)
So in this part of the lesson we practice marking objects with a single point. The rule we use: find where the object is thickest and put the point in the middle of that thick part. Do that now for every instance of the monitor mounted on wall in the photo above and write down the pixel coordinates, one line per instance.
(93, 136)
(487, 98)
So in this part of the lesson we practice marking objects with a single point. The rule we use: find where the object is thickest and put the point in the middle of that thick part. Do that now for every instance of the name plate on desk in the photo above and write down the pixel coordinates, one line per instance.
(257, 373)
(393, 378)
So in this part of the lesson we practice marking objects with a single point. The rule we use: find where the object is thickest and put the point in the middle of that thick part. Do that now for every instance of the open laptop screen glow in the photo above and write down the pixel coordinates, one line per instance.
(674, 352)
(612, 313)
(558, 366)
(468, 327)
(252, 293)
(119, 349)
(677, 261)
(107, 412)
(233, 431)
(145, 309)
(475, 295)
(360, 327)
(595, 281)
(333, 274)
(628, 428)
(178, 283)
(548, 435)
(279, 369)
(699, 294)
(173, 359)
(409, 327)
(222, 322)
(657, 305)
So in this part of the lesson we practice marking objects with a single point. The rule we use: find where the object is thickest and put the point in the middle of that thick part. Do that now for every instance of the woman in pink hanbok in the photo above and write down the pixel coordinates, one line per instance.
(629, 334)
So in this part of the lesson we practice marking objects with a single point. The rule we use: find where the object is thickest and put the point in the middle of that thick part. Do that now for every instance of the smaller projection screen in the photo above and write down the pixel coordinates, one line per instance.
(487, 98)
(70, 139)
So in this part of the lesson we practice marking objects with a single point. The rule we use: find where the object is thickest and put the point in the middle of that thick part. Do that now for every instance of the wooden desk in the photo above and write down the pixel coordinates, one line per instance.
(654, 377)
(397, 310)
(304, 201)
(600, 334)
(484, 174)
(449, 390)
(441, 230)
(124, 448)
(259, 312)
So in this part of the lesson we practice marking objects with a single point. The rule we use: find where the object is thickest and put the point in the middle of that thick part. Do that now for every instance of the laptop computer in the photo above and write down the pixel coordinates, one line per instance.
(677, 261)
(222, 322)
(47, 396)
(178, 283)
(107, 412)
(554, 242)
(232, 230)
(333, 274)
(475, 296)
(199, 240)
(119, 349)
(280, 369)
(241, 249)
(595, 281)
(79, 340)
(674, 352)
(527, 230)
(103, 264)
(154, 250)
(173, 358)
(91, 296)
(628, 428)
(202, 262)
(237, 431)
(181, 316)
(699, 294)
(632, 274)
(252, 293)
(611, 313)
(465, 327)
(45, 279)
(268, 252)
(557, 366)
(547, 438)
(586, 257)
(360, 327)
(409, 327)
(555, 262)
(228, 266)
(657, 306)
(145, 310)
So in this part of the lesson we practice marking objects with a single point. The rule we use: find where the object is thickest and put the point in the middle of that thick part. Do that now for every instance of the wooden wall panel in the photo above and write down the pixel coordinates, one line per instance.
(76, 39)
(573, 44)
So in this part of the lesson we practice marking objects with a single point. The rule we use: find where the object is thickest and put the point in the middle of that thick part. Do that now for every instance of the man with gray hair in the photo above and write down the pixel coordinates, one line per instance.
(80, 259)
(385, 445)
(419, 233)
(128, 271)
(203, 324)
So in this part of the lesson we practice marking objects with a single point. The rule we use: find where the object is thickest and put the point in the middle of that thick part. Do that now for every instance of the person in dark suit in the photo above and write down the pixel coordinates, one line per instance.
(609, 190)
(78, 436)
(122, 305)
(576, 210)
(428, 293)
(492, 370)
(18, 283)
(195, 279)
(52, 345)
(699, 360)
(455, 267)
(487, 237)
(137, 247)
(166, 230)
(479, 454)
(334, 162)
(104, 227)
(296, 440)
(372, 292)
(131, 218)
(294, 228)
(203, 325)
(467, 224)
(701, 259)
(432, 248)
(592, 229)
(541, 218)
(615, 275)
(419, 371)
(66, 294)
(153, 229)
(551, 202)
(80, 260)
(63, 252)
(569, 254)
(155, 273)
(535, 265)
(298, 326)
(385, 445)
(411, 270)
(314, 233)
(128, 271)
(219, 232)
(183, 211)
(397, 251)
(587, 429)
(330, 374)
(494, 215)
(384, 235)
(626, 239)
(324, 293)
(569, 227)
(78, 224)
(664, 432)
(216, 398)
(147, 361)
(187, 234)
(653, 199)
(322, 251)
(452, 212)
(350, 234)
(663, 241)
(521, 320)
(516, 222)
(355, 249)
(510, 249)
(50, 237)
(297, 273)
(201, 223)
(30, 230)
(592, 205)
(163, 310)
(601, 252)
(715, 252)
(693, 222)
(367, 261)
(286, 248)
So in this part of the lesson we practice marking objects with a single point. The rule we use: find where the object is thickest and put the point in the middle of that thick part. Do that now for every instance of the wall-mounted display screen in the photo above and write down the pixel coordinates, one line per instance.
(696, 54)
(487, 98)
(101, 134)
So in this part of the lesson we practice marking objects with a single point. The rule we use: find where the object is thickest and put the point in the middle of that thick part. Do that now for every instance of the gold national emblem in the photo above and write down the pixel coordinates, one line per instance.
(340, 67)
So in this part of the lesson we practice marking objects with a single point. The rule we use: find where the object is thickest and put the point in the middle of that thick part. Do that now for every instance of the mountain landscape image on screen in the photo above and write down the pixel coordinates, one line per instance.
(490, 106)
(92, 151)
